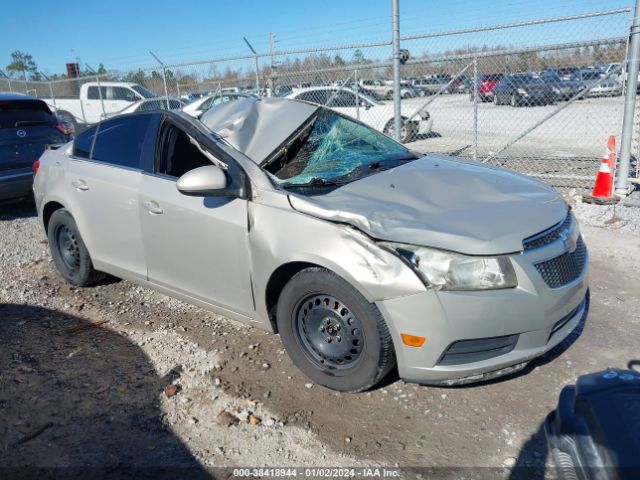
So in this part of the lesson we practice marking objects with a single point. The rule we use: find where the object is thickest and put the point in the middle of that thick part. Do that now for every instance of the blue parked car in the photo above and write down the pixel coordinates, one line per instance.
(27, 126)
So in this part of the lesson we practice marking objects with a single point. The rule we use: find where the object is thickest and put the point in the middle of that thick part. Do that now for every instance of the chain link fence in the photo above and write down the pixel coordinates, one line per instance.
(540, 97)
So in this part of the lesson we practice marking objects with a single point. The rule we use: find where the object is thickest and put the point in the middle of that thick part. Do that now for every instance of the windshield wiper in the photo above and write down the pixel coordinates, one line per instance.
(315, 182)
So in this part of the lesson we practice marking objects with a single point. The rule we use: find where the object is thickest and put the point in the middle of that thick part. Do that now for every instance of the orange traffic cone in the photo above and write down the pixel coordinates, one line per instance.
(603, 186)
(611, 152)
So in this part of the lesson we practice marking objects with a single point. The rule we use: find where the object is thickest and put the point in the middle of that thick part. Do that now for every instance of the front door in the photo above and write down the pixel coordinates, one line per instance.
(196, 246)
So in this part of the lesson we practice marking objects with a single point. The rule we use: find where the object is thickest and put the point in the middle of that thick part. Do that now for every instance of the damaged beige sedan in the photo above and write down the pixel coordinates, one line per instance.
(360, 254)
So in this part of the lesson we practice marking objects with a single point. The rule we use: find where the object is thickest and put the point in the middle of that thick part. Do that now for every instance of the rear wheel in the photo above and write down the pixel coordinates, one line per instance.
(69, 252)
(408, 131)
(332, 333)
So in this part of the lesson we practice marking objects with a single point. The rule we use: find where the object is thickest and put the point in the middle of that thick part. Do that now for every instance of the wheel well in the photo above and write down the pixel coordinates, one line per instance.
(276, 283)
(47, 211)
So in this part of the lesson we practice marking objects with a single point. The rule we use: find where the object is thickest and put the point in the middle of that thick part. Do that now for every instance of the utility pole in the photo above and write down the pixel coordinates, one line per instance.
(255, 56)
(164, 78)
(395, 25)
(633, 64)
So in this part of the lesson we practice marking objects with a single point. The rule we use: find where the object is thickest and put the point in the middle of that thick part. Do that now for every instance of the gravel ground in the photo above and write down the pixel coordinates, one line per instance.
(118, 376)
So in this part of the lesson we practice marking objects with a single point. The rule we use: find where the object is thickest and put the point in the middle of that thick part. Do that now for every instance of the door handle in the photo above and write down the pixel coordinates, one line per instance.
(152, 207)
(80, 185)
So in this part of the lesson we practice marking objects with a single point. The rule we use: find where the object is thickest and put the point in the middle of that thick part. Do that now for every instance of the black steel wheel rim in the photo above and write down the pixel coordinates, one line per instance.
(68, 249)
(328, 332)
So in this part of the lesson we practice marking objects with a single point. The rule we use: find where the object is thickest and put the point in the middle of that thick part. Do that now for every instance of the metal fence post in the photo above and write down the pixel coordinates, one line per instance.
(475, 108)
(357, 90)
(397, 115)
(164, 78)
(8, 80)
(633, 62)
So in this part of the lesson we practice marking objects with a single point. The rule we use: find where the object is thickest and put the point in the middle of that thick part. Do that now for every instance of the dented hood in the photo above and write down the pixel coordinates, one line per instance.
(443, 203)
(257, 126)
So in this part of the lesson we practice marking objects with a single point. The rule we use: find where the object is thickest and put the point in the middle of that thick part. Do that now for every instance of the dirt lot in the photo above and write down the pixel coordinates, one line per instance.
(77, 394)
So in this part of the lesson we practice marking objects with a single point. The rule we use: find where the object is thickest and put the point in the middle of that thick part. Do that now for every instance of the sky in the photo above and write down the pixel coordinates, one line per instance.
(121, 33)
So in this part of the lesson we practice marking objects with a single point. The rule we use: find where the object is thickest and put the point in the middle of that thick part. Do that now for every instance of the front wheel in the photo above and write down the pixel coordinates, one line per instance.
(332, 333)
(69, 252)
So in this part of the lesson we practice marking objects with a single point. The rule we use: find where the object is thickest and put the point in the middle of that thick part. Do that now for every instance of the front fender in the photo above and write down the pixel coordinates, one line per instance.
(279, 236)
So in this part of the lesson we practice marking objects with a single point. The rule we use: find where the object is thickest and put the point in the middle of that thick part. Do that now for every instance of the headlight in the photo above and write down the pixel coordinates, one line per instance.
(522, 91)
(453, 271)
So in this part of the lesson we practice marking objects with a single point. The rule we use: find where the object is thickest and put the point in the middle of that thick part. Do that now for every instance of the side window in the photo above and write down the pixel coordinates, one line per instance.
(122, 93)
(119, 141)
(151, 105)
(207, 104)
(343, 99)
(83, 142)
(178, 155)
(314, 96)
(94, 94)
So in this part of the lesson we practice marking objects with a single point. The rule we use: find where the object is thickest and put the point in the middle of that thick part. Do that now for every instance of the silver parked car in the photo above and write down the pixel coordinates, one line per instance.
(296, 219)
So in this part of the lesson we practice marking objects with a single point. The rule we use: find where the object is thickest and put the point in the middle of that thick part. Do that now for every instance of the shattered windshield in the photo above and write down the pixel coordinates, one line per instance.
(332, 150)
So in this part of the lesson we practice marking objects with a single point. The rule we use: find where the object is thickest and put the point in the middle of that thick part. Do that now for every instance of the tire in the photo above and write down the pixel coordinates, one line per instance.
(514, 100)
(69, 252)
(407, 133)
(332, 333)
(67, 117)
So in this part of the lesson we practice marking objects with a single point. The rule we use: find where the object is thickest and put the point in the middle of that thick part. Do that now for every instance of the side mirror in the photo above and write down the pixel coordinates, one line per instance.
(203, 182)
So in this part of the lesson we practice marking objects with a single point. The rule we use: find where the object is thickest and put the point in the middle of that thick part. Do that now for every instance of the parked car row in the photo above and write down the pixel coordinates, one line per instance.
(547, 87)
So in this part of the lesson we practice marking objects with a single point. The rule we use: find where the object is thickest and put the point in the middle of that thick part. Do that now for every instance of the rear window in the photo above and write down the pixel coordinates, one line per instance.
(83, 142)
(119, 141)
(24, 113)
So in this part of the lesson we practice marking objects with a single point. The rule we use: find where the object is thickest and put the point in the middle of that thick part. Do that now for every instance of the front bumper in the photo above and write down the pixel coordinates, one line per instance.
(540, 316)
(605, 91)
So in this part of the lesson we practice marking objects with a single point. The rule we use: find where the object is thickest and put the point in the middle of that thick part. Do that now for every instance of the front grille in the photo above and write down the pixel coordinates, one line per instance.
(564, 269)
(547, 236)
(470, 351)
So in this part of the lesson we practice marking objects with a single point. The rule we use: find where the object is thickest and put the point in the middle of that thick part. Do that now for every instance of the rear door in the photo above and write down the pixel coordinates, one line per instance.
(104, 185)
(26, 127)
